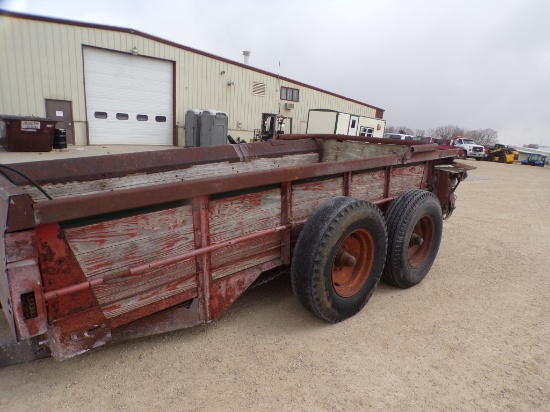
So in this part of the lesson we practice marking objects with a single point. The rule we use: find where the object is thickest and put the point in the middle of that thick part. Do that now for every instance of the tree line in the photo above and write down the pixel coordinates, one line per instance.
(485, 137)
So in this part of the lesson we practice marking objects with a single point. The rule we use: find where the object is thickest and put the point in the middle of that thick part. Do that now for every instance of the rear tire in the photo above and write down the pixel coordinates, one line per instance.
(415, 226)
(502, 159)
(339, 257)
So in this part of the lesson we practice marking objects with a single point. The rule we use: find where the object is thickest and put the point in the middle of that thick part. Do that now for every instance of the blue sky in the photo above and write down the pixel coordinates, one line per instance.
(475, 64)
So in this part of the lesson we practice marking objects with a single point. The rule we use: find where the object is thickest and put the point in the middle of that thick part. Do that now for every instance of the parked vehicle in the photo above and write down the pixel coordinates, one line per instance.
(502, 153)
(326, 121)
(472, 149)
(399, 136)
(102, 249)
(442, 144)
(535, 159)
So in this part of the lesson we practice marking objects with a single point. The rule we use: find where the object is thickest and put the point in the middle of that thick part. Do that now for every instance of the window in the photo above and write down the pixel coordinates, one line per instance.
(288, 93)
(366, 131)
(122, 116)
(142, 117)
(160, 119)
(100, 115)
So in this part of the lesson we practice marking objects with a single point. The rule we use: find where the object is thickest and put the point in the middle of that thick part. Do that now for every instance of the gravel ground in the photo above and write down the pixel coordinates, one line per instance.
(475, 335)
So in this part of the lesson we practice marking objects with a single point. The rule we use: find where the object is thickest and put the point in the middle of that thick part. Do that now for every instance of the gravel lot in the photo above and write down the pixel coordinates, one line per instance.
(475, 335)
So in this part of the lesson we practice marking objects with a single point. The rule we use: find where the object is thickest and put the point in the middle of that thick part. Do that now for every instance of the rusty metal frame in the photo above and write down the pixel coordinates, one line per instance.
(286, 213)
(75, 326)
(66, 209)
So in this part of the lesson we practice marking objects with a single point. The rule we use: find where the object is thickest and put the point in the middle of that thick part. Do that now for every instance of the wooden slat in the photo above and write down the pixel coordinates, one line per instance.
(195, 172)
(107, 248)
(125, 287)
(161, 299)
(335, 151)
(227, 261)
(240, 215)
(404, 178)
(368, 186)
(110, 248)
(306, 197)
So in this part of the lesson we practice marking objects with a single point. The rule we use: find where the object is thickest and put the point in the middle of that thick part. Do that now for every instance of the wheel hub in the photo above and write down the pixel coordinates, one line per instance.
(420, 243)
(353, 263)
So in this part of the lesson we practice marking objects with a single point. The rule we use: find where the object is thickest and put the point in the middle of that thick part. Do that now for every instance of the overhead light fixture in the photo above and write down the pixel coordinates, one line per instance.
(135, 51)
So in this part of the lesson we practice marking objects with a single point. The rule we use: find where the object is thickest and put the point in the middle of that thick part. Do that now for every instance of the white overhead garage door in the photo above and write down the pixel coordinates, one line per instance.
(129, 99)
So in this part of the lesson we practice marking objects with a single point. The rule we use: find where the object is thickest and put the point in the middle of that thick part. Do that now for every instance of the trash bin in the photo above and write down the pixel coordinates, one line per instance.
(26, 134)
(60, 139)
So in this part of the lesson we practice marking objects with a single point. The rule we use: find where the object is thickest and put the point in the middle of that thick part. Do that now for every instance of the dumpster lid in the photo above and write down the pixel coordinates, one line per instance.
(32, 118)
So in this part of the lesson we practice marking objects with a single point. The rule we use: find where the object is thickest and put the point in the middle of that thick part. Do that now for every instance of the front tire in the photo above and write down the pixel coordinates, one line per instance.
(415, 227)
(339, 257)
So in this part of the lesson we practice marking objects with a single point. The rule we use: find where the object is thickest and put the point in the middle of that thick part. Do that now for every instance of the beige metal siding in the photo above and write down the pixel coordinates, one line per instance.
(43, 60)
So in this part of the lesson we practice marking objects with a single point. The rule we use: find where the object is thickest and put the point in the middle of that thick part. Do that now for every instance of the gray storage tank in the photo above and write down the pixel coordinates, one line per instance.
(192, 127)
(205, 128)
(213, 130)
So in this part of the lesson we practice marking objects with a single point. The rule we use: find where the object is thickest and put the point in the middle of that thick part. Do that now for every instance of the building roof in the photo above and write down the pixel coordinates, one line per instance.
(177, 45)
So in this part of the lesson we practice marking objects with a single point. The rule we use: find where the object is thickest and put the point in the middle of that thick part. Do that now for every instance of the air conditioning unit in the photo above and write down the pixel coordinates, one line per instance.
(289, 106)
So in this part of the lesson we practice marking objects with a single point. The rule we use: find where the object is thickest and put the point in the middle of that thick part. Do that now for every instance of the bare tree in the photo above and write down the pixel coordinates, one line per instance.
(449, 132)
(405, 130)
(399, 129)
(484, 137)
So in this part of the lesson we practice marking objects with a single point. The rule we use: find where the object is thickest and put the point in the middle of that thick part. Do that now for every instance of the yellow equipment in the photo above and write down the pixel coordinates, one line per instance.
(502, 153)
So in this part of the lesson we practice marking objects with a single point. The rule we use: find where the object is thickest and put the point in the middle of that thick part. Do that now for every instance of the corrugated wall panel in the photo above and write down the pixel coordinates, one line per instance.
(41, 59)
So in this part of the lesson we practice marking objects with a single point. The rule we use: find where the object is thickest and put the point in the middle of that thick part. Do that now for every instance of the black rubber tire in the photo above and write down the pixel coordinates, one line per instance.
(315, 253)
(478, 158)
(490, 158)
(502, 159)
(413, 207)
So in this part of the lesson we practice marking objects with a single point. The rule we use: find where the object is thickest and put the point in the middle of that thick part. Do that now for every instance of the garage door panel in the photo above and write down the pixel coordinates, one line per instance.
(130, 86)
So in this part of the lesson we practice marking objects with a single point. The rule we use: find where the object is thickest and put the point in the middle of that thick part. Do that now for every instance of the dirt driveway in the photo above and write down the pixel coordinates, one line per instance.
(475, 335)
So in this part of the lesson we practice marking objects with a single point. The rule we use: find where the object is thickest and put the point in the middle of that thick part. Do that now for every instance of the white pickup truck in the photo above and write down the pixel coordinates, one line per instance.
(472, 149)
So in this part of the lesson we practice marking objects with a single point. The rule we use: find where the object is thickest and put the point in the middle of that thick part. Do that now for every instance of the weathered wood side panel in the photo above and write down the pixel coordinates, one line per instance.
(195, 172)
(404, 178)
(125, 287)
(238, 216)
(306, 197)
(227, 261)
(109, 249)
(138, 306)
(334, 150)
(368, 186)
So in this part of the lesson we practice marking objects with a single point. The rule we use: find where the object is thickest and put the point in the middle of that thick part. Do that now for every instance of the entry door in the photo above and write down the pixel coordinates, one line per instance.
(62, 111)
(353, 125)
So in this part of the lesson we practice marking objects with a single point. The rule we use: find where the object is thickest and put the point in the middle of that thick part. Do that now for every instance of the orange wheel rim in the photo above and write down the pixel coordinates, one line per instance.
(421, 241)
(353, 263)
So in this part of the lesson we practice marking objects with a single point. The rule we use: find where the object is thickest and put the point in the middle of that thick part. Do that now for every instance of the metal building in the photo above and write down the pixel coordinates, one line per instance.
(112, 85)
